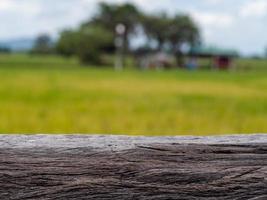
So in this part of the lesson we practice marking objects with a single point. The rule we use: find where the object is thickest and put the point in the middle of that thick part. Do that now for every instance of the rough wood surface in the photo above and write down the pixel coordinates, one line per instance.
(103, 167)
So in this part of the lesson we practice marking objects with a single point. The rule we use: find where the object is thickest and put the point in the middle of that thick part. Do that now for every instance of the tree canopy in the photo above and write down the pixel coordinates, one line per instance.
(98, 34)
(155, 27)
(43, 45)
(91, 42)
(110, 15)
(67, 44)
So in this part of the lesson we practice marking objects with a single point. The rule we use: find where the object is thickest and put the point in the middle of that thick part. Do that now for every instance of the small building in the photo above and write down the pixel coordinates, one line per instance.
(156, 60)
(218, 58)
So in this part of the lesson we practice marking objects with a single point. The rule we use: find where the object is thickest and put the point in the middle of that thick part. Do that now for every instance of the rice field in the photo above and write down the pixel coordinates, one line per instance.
(56, 95)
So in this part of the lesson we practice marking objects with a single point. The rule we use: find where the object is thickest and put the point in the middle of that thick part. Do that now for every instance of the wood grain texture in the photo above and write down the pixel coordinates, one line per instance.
(170, 170)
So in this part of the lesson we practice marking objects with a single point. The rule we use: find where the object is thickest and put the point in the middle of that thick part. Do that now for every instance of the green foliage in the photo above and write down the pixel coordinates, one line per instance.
(4, 49)
(92, 42)
(67, 43)
(110, 15)
(155, 28)
(43, 45)
(88, 43)
(171, 31)
(182, 31)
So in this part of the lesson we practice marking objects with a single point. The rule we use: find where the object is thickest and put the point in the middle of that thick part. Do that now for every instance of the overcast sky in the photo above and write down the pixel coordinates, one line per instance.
(240, 24)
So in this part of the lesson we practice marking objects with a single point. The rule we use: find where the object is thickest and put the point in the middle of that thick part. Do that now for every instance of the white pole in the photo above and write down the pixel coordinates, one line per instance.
(119, 43)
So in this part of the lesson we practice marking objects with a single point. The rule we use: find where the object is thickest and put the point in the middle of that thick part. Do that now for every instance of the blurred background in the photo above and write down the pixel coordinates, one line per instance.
(187, 67)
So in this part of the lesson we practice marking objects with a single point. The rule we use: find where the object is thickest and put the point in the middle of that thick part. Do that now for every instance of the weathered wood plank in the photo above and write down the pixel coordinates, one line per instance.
(103, 167)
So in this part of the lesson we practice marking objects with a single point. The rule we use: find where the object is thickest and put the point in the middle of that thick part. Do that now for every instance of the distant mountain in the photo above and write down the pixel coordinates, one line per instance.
(21, 44)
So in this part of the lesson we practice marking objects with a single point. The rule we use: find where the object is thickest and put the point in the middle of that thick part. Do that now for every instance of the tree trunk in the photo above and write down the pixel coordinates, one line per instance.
(179, 59)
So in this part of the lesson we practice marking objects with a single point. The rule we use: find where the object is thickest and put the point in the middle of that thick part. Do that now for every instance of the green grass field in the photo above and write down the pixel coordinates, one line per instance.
(54, 95)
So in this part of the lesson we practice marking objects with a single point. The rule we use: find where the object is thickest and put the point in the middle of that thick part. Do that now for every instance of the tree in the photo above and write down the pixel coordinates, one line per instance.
(97, 36)
(110, 15)
(4, 49)
(155, 27)
(68, 43)
(171, 33)
(182, 31)
(91, 44)
(43, 45)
